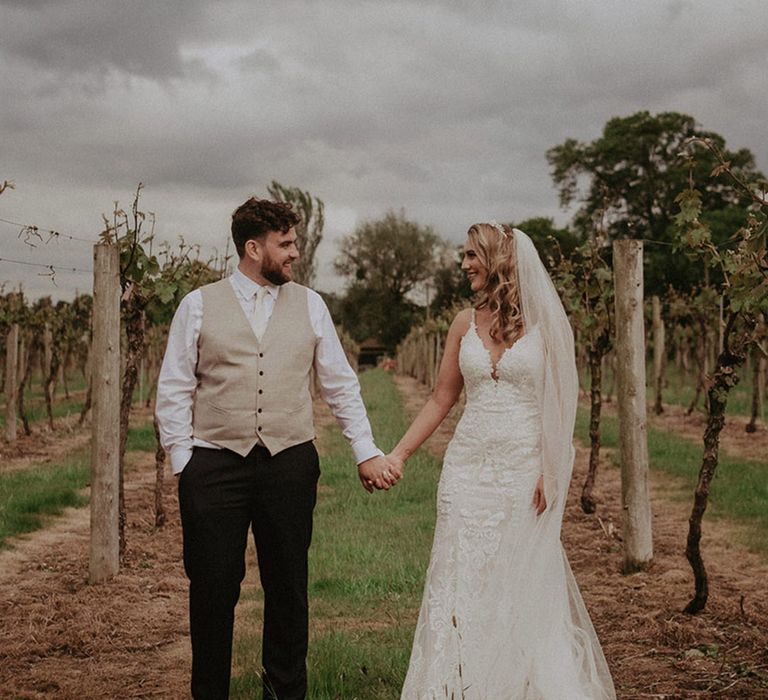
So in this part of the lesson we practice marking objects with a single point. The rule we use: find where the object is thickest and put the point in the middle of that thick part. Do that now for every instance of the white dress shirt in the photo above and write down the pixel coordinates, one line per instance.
(177, 383)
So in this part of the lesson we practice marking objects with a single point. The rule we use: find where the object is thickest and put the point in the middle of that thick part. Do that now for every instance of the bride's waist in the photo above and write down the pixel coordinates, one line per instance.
(511, 413)
(499, 427)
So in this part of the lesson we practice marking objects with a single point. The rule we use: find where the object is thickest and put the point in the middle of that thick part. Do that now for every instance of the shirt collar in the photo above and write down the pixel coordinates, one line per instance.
(248, 288)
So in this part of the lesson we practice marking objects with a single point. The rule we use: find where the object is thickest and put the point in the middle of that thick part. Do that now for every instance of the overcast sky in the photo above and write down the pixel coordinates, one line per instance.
(445, 109)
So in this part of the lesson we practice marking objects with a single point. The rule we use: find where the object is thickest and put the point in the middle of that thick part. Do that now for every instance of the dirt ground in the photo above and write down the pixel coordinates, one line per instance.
(62, 638)
(128, 638)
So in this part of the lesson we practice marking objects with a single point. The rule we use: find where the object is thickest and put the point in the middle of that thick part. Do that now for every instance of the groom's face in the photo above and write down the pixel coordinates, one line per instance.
(278, 253)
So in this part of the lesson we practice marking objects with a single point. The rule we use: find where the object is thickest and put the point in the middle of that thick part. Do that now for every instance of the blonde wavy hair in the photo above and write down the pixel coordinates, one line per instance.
(494, 245)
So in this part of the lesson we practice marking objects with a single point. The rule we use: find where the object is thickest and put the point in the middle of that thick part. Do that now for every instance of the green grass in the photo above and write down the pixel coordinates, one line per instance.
(34, 401)
(680, 388)
(141, 438)
(30, 496)
(739, 489)
(367, 566)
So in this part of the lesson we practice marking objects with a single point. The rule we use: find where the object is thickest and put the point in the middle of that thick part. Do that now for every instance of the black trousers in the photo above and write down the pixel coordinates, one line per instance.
(221, 496)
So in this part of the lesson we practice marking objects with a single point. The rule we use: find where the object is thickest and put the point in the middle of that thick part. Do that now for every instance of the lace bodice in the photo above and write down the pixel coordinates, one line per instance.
(507, 407)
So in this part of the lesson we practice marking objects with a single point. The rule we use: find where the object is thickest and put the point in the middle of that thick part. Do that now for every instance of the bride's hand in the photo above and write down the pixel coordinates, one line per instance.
(539, 500)
(396, 463)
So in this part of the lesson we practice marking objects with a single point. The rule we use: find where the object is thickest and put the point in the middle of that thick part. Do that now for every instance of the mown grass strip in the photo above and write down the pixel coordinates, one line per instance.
(681, 386)
(29, 496)
(62, 408)
(740, 487)
(367, 564)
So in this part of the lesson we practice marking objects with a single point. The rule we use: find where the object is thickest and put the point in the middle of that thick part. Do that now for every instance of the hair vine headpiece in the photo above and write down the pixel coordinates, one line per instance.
(498, 227)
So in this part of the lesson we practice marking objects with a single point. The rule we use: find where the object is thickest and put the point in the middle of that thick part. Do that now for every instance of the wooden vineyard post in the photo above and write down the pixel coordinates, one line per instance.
(630, 381)
(758, 378)
(105, 380)
(658, 354)
(11, 381)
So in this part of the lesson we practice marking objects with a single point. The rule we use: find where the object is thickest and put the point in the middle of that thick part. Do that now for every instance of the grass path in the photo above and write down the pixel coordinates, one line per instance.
(367, 564)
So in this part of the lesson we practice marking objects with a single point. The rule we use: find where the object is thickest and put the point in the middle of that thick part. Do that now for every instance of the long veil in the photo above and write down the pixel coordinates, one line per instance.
(543, 624)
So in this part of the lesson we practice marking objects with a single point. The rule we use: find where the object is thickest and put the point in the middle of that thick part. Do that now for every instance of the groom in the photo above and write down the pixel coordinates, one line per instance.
(235, 414)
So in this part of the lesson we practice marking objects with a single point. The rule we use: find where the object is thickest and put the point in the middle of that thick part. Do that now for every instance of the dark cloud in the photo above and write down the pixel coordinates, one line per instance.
(444, 108)
(84, 37)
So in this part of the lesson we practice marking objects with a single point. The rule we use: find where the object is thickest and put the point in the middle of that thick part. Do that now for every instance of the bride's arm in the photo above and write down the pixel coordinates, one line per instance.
(445, 394)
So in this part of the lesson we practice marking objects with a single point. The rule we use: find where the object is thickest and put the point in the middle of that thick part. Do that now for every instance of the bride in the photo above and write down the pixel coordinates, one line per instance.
(502, 617)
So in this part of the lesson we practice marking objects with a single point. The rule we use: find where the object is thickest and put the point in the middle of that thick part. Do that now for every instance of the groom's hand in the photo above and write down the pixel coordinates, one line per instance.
(378, 473)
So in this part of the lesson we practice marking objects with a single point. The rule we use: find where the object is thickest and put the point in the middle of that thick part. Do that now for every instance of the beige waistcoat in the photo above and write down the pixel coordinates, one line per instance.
(250, 390)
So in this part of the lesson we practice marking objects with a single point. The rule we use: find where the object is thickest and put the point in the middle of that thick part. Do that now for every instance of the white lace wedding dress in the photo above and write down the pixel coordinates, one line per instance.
(499, 620)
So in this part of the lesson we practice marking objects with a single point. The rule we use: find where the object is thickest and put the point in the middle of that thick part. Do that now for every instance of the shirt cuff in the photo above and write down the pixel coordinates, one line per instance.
(180, 456)
(365, 449)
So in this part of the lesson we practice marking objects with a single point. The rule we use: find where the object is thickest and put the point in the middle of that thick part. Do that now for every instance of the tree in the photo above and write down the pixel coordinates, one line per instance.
(309, 232)
(449, 284)
(634, 172)
(551, 242)
(385, 260)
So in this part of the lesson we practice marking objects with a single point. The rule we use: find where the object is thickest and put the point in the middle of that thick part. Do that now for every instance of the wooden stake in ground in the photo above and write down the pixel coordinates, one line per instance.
(105, 380)
(11, 381)
(159, 477)
(758, 378)
(658, 354)
(630, 380)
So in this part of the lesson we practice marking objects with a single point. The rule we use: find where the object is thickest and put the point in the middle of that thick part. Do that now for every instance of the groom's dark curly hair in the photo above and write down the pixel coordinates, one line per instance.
(256, 217)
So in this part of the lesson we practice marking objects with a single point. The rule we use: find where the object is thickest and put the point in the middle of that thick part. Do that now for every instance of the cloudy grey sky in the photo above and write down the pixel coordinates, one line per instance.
(443, 108)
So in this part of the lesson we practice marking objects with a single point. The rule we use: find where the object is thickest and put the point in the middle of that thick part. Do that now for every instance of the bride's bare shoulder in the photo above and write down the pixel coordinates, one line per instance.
(461, 321)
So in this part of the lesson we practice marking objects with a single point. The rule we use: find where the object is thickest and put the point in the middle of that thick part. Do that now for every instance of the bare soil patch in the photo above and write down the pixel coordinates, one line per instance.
(126, 638)
(43, 444)
(653, 649)
(734, 439)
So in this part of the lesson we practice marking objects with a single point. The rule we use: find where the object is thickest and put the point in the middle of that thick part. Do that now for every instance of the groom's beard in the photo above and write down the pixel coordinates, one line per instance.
(274, 273)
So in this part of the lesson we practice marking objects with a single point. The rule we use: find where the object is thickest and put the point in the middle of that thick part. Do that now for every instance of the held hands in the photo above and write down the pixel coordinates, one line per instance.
(379, 473)
(539, 500)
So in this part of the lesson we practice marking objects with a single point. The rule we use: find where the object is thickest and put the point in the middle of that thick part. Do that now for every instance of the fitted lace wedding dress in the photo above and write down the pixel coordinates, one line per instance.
(501, 618)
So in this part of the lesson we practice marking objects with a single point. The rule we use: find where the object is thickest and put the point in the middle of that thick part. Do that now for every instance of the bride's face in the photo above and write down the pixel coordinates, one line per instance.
(476, 271)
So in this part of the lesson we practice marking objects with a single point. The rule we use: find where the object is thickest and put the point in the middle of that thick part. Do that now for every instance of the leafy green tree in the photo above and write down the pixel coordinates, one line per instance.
(385, 260)
(449, 283)
(374, 313)
(632, 174)
(551, 242)
(309, 232)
